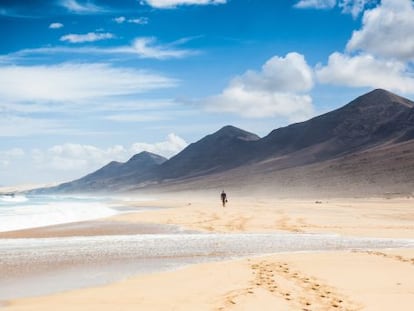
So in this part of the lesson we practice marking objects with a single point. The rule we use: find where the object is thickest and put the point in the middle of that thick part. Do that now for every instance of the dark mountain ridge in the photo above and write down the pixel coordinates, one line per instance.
(215, 152)
(369, 120)
(137, 168)
(378, 118)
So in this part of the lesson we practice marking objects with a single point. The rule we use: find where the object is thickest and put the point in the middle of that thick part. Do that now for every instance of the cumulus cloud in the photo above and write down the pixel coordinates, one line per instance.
(88, 37)
(279, 74)
(366, 71)
(168, 4)
(76, 156)
(55, 25)
(83, 159)
(315, 4)
(171, 146)
(380, 54)
(387, 31)
(148, 48)
(278, 90)
(74, 82)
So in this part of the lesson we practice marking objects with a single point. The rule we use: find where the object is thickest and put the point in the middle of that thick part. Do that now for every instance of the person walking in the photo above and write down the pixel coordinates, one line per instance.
(223, 198)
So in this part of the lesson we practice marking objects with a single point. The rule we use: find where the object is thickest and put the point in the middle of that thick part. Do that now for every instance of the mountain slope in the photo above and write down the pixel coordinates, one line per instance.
(373, 126)
(116, 175)
(386, 170)
(369, 120)
(225, 149)
(366, 146)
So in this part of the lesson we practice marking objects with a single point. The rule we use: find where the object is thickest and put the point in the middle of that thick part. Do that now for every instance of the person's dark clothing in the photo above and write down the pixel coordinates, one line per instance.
(224, 198)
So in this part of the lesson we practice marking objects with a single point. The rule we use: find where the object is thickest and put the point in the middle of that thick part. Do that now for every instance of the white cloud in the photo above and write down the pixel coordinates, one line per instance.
(279, 74)
(55, 25)
(276, 91)
(81, 159)
(109, 105)
(315, 4)
(8, 156)
(366, 71)
(87, 7)
(167, 148)
(261, 105)
(120, 19)
(380, 54)
(387, 31)
(137, 20)
(88, 37)
(143, 47)
(354, 7)
(74, 82)
(17, 126)
(131, 105)
(77, 157)
(166, 4)
(147, 48)
(12, 153)
(131, 117)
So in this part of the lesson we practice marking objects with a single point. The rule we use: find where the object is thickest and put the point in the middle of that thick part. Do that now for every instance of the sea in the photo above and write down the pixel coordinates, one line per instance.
(20, 211)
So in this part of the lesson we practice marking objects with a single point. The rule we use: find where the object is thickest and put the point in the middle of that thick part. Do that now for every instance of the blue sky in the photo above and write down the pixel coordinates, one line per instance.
(86, 82)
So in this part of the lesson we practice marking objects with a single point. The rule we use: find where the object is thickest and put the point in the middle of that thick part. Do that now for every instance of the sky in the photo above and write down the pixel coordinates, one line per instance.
(85, 82)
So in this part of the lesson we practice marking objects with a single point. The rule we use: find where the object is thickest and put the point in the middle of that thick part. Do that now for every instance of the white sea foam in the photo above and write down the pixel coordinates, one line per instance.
(13, 198)
(19, 212)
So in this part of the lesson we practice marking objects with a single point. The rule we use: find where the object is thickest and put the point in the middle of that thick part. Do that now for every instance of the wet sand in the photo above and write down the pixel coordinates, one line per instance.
(92, 228)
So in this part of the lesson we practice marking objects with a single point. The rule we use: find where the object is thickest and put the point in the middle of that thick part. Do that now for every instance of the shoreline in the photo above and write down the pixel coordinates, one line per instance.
(372, 218)
(312, 281)
(28, 262)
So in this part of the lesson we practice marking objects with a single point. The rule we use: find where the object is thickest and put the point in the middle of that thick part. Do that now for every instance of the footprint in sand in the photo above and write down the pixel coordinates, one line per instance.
(388, 256)
(305, 293)
(301, 291)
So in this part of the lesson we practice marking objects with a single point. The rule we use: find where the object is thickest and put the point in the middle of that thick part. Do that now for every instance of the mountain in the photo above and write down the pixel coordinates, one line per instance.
(366, 144)
(369, 120)
(366, 147)
(116, 174)
(227, 148)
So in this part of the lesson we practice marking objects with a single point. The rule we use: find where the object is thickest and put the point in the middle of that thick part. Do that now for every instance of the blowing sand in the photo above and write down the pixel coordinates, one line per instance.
(380, 279)
(352, 217)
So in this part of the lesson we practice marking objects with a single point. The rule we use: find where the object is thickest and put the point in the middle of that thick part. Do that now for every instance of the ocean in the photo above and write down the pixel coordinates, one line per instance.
(23, 212)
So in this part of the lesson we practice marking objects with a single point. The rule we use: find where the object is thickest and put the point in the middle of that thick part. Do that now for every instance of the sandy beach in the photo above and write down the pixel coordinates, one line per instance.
(352, 279)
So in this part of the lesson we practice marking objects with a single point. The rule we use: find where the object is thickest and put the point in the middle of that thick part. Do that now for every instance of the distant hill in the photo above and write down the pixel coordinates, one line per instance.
(115, 174)
(367, 145)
